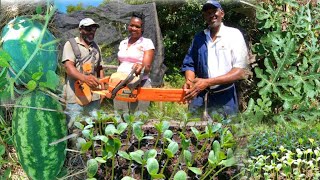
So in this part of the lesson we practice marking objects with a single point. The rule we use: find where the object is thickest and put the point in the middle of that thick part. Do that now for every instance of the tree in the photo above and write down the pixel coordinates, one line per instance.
(77, 7)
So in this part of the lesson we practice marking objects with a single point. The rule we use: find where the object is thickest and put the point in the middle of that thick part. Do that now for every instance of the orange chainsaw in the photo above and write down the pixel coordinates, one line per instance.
(123, 87)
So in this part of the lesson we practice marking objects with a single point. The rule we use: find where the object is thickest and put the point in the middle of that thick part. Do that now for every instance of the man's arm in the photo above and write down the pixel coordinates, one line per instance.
(200, 84)
(90, 80)
(233, 75)
(189, 76)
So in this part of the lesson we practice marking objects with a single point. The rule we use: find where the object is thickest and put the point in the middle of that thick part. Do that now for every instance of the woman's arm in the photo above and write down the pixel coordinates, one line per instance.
(146, 62)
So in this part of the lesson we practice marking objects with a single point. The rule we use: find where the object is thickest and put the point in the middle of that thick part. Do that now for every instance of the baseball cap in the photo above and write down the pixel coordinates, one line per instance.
(87, 22)
(211, 3)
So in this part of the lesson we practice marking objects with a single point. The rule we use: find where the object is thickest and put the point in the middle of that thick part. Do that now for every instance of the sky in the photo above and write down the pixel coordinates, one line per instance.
(61, 4)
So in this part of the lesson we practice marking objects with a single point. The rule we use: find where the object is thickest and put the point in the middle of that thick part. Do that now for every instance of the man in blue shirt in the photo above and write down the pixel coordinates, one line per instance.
(216, 59)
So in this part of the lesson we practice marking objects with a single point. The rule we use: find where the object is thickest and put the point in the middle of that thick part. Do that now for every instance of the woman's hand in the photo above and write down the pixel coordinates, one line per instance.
(138, 68)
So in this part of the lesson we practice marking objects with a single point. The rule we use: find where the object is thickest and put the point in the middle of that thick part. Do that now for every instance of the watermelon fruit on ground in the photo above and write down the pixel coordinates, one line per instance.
(20, 37)
(33, 131)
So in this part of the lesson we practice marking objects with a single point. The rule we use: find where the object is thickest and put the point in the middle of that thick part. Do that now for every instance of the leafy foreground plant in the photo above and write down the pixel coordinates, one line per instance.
(156, 152)
(284, 164)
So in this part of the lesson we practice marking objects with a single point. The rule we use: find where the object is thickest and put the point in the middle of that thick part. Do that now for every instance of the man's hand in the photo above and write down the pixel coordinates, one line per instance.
(198, 85)
(91, 81)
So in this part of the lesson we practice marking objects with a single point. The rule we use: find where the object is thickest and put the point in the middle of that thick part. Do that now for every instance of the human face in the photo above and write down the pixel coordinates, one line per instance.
(135, 28)
(213, 17)
(87, 33)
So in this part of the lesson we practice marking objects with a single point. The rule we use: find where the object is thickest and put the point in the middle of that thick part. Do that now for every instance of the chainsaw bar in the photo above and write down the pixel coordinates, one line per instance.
(146, 94)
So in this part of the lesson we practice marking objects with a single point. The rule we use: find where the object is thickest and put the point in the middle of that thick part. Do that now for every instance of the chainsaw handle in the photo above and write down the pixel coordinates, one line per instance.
(123, 82)
(133, 85)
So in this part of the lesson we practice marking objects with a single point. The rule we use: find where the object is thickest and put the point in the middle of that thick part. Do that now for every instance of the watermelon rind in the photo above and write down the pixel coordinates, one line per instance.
(34, 129)
(20, 37)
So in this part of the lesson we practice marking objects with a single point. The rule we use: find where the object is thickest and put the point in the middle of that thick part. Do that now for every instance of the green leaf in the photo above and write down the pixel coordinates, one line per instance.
(168, 134)
(100, 160)
(124, 155)
(162, 126)
(7, 174)
(92, 167)
(79, 125)
(180, 175)
(262, 14)
(86, 133)
(152, 153)
(187, 156)
(80, 142)
(173, 147)
(89, 126)
(32, 85)
(214, 155)
(221, 156)
(216, 147)
(137, 156)
(169, 153)
(52, 80)
(157, 176)
(195, 132)
(182, 136)
(86, 146)
(3, 77)
(38, 9)
(127, 178)
(110, 130)
(5, 94)
(165, 125)
(148, 137)
(4, 58)
(227, 139)
(212, 158)
(128, 118)
(113, 145)
(101, 137)
(137, 130)
(216, 127)
(36, 76)
(195, 170)
(89, 121)
(121, 127)
(229, 162)
(185, 143)
(2, 150)
(152, 166)
(203, 136)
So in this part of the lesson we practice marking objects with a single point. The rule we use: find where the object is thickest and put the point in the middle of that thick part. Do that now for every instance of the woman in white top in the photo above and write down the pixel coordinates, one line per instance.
(135, 52)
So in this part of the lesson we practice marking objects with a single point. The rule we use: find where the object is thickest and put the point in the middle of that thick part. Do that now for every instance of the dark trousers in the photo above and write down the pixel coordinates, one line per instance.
(219, 101)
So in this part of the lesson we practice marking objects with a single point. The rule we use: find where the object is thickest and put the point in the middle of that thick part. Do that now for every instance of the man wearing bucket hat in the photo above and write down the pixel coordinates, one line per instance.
(216, 59)
(81, 58)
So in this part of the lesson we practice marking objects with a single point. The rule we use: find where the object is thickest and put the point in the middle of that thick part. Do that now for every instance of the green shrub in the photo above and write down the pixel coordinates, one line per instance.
(288, 55)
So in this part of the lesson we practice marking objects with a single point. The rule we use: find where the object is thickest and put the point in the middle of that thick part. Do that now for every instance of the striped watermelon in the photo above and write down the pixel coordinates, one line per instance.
(33, 130)
(20, 37)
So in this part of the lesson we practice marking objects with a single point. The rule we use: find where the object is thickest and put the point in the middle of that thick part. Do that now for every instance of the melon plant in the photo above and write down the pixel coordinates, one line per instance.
(34, 128)
(20, 38)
